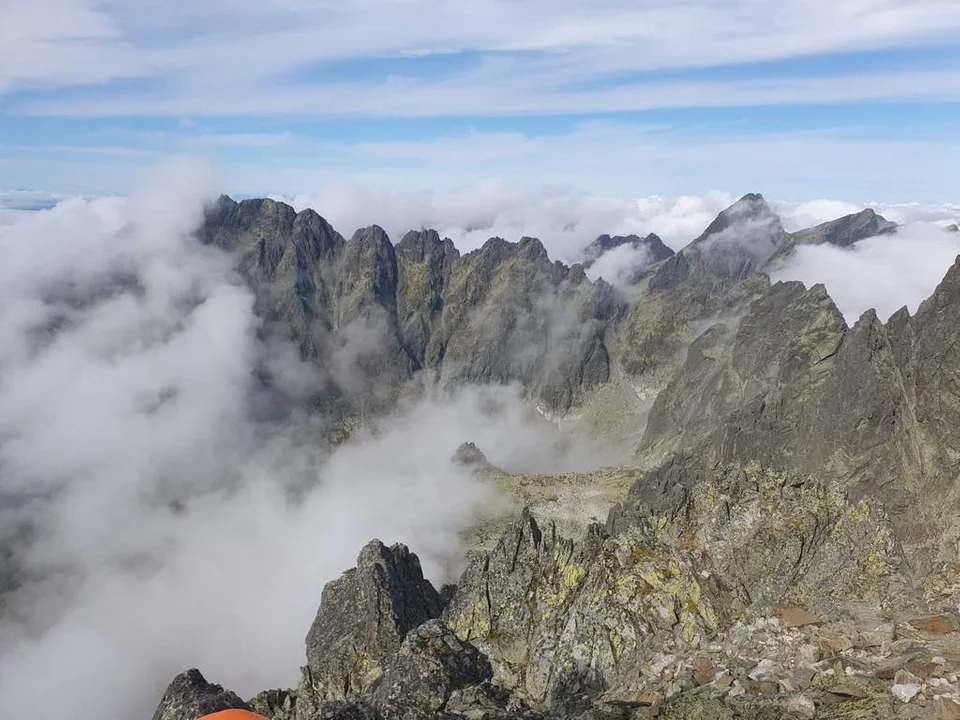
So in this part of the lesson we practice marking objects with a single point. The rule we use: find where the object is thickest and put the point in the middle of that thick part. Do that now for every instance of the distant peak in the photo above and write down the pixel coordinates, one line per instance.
(750, 208)
(371, 232)
(605, 242)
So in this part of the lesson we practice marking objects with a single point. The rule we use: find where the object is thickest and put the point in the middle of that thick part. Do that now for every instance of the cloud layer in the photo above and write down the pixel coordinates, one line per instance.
(156, 523)
(883, 273)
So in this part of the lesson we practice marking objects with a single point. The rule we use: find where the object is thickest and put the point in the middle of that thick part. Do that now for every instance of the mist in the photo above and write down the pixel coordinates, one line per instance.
(620, 266)
(884, 273)
(153, 522)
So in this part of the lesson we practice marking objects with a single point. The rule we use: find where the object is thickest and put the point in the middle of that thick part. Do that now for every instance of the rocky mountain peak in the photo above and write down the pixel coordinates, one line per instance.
(751, 210)
(419, 245)
(604, 243)
(845, 231)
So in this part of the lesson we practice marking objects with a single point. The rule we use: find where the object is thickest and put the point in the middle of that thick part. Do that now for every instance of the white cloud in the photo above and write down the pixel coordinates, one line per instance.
(28, 199)
(680, 220)
(516, 94)
(243, 57)
(564, 219)
(814, 212)
(620, 265)
(884, 273)
(176, 530)
(62, 42)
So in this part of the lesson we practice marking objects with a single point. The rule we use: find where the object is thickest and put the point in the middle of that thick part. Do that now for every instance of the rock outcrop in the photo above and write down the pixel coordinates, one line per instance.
(189, 696)
(563, 622)
(431, 664)
(468, 455)
(363, 618)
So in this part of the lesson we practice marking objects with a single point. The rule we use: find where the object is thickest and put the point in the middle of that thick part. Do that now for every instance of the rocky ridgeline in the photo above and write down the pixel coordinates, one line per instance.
(502, 313)
(618, 625)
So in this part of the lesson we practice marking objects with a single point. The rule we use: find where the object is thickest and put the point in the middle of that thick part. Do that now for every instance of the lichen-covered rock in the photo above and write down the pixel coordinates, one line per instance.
(362, 620)
(431, 663)
(189, 696)
(488, 701)
(275, 704)
(770, 537)
(562, 622)
(310, 703)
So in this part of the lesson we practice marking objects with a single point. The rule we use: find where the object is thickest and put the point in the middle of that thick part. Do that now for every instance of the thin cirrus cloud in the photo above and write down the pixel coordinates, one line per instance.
(195, 51)
(279, 86)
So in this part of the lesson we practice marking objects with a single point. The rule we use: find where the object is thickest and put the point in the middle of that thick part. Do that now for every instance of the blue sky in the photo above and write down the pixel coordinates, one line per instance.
(853, 99)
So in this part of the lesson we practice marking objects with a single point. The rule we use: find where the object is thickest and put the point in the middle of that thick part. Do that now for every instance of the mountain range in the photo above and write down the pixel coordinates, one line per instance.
(788, 545)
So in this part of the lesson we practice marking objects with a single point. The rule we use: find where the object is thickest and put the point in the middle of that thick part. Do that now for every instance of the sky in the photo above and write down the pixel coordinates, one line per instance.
(848, 99)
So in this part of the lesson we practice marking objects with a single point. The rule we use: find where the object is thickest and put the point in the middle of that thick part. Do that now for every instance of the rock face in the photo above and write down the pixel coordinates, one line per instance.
(792, 388)
(373, 315)
(431, 664)
(564, 621)
(364, 617)
(376, 649)
(470, 456)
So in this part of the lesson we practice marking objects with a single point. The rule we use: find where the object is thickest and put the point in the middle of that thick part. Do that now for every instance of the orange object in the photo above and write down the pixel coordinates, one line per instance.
(233, 715)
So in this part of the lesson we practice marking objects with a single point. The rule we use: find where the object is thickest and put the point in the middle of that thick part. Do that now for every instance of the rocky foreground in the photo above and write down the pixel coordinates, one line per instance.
(613, 627)
(785, 544)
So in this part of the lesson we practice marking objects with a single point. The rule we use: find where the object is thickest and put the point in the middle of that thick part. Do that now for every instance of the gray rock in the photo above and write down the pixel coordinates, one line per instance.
(275, 704)
(656, 252)
(189, 696)
(470, 456)
(652, 242)
(562, 621)
(846, 231)
(362, 620)
(503, 313)
(431, 664)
